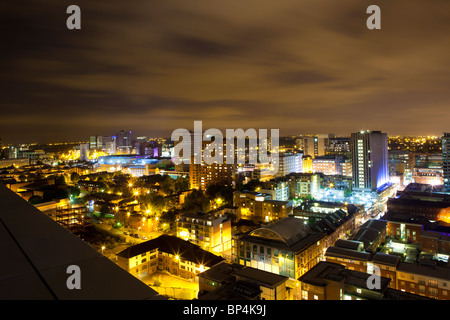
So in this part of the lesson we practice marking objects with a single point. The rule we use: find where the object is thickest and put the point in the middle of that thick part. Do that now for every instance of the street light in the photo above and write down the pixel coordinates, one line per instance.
(103, 249)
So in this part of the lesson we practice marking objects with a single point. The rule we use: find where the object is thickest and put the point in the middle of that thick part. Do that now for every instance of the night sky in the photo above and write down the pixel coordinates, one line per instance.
(301, 66)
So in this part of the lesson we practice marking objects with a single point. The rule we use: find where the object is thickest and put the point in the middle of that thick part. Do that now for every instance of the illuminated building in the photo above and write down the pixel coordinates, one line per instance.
(316, 145)
(433, 237)
(338, 146)
(123, 142)
(332, 281)
(166, 253)
(328, 165)
(426, 278)
(287, 247)
(305, 185)
(446, 160)
(259, 207)
(132, 164)
(347, 168)
(12, 152)
(84, 151)
(307, 164)
(277, 188)
(137, 170)
(289, 163)
(369, 160)
(5, 163)
(211, 232)
(93, 142)
(337, 225)
(401, 164)
(201, 175)
(431, 206)
(431, 176)
(372, 234)
(225, 281)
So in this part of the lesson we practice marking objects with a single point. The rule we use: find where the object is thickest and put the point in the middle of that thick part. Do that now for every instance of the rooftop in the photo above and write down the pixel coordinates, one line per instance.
(175, 246)
(36, 253)
(324, 272)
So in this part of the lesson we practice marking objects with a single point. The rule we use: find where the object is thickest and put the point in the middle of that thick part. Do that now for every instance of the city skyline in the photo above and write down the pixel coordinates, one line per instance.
(301, 67)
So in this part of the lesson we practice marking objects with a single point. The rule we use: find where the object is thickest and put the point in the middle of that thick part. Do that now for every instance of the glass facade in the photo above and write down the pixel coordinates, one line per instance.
(267, 258)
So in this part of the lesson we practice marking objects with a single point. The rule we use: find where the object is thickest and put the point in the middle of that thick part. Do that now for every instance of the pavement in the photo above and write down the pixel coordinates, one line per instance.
(167, 280)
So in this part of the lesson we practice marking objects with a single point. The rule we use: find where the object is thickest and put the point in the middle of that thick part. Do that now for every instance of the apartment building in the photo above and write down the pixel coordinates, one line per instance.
(166, 253)
(211, 232)
(259, 207)
(332, 281)
(219, 281)
(287, 247)
(428, 278)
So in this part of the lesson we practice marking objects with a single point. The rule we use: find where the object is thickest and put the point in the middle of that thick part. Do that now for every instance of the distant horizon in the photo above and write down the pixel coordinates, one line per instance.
(297, 66)
(168, 136)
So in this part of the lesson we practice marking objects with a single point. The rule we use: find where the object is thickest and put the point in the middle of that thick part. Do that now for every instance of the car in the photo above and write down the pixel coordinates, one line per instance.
(136, 235)
(144, 238)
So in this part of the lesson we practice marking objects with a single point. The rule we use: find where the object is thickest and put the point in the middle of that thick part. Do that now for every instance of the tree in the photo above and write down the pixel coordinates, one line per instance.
(60, 180)
(35, 199)
(168, 185)
(220, 191)
(104, 210)
(196, 201)
(53, 194)
(74, 177)
(73, 191)
(155, 201)
(312, 220)
(252, 185)
(182, 184)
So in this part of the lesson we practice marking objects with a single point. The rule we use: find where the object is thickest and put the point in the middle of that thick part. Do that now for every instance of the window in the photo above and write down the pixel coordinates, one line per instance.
(432, 283)
(304, 295)
(433, 291)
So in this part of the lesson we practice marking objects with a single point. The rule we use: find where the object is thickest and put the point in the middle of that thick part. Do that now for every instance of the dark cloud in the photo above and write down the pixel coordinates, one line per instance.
(198, 47)
(154, 66)
(300, 77)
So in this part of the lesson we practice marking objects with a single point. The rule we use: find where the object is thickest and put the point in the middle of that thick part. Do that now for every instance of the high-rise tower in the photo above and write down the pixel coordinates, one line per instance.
(369, 160)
